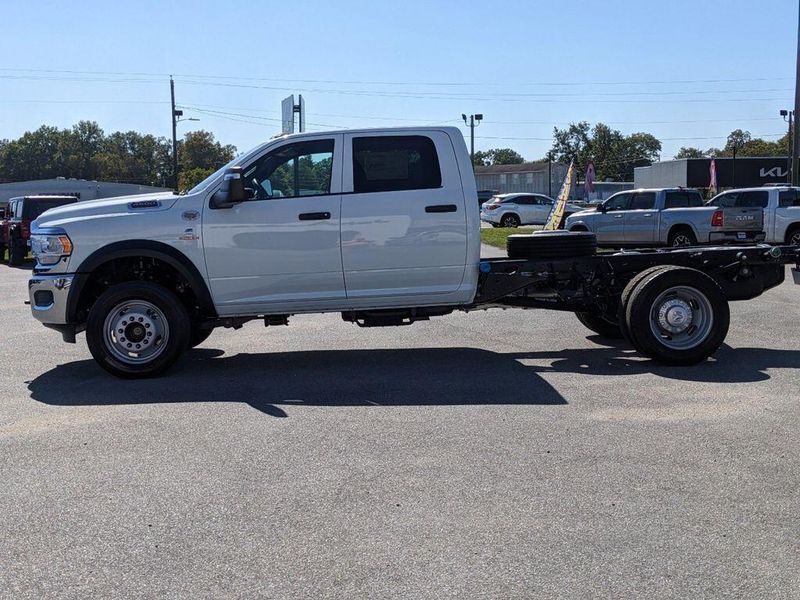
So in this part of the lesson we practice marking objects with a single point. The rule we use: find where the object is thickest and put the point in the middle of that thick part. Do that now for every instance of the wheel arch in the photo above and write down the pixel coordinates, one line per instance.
(675, 228)
(132, 249)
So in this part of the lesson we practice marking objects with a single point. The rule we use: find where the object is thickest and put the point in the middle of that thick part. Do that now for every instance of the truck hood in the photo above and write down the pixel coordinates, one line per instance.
(583, 213)
(107, 206)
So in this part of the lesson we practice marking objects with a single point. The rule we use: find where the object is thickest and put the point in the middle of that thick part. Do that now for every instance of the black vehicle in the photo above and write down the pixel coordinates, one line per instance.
(16, 224)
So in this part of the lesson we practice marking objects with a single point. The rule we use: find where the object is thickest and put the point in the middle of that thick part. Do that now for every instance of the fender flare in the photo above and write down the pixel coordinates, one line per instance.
(134, 248)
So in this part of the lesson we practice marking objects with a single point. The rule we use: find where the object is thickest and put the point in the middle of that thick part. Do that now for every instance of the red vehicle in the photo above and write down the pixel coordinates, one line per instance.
(16, 222)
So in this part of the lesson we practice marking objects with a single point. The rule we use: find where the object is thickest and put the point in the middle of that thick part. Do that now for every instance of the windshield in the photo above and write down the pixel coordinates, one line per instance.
(32, 209)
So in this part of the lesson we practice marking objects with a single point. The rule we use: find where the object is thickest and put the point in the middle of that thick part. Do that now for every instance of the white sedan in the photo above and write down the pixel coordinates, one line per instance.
(513, 210)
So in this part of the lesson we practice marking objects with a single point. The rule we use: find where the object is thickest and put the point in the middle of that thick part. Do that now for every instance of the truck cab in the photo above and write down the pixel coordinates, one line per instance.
(354, 221)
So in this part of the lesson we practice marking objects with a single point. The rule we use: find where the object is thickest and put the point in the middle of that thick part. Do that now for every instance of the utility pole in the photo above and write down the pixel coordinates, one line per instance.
(796, 138)
(550, 173)
(175, 115)
(788, 115)
(473, 121)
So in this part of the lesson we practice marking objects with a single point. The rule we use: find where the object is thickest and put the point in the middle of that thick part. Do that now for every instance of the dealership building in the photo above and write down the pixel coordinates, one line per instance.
(696, 172)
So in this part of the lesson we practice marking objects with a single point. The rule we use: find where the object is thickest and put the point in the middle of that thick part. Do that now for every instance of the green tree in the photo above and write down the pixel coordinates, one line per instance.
(498, 156)
(690, 152)
(615, 155)
(199, 149)
(188, 179)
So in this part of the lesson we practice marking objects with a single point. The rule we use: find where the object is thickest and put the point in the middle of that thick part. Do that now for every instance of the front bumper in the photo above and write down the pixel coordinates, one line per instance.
(48, 297)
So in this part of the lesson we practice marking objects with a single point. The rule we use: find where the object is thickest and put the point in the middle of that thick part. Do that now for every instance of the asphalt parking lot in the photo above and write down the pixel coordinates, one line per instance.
(505, 454)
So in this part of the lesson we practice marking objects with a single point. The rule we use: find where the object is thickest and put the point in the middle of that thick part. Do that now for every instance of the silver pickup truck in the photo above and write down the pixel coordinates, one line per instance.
(781, 206)
(667, 217)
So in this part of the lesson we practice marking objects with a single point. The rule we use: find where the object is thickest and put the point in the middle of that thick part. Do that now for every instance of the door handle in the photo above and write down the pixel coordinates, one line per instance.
(648, 215)
(617, 216)
(441, 208)
(317, 216)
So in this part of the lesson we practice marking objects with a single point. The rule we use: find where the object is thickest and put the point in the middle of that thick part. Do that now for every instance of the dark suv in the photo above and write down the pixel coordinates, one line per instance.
(16, 224)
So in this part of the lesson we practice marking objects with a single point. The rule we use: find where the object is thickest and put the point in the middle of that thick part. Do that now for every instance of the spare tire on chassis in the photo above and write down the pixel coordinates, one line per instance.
(551, 244)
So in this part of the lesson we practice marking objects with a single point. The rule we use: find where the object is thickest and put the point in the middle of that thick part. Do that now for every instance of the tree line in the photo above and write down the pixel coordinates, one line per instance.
(615, 155)
(85, 151)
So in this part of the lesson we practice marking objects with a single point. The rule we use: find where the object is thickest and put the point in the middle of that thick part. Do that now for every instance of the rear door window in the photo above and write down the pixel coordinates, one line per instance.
(643, 201)
(759, 198)
(395, 163)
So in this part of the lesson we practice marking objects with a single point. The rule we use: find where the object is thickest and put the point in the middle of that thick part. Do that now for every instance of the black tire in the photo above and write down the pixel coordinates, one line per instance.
(510, 220)
(676, 288)
(625, 296)
(793, 236)
(551, 244)
(17, 252)
(682, 238)
(600, 324)
(579, 228)
(174, 315)
(198, 336)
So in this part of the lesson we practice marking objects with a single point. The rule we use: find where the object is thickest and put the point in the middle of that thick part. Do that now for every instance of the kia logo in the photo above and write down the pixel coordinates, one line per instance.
(773, 172)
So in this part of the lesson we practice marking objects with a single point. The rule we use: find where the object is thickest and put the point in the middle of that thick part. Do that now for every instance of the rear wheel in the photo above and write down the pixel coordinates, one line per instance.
(509, 220)
(677, 316)
(600, 324)
(137, 329)
(793, 237)
(682, 237)
(625, 296)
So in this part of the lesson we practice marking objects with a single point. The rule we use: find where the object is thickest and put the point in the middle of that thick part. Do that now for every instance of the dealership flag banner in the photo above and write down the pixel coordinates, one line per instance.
(556, 218)
(588, 185)
(712, 171)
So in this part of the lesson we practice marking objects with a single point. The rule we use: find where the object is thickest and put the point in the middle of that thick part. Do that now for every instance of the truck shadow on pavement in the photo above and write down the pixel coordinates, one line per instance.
(407, 377)
(415, 377)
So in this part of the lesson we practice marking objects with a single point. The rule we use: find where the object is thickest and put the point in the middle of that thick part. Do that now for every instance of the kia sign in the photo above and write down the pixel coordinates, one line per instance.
(750, 172)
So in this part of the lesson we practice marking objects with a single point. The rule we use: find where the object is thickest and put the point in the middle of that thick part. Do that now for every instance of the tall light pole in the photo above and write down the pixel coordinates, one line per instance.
(176, 114)
(788, 115)
(473, 121)
(796, 140)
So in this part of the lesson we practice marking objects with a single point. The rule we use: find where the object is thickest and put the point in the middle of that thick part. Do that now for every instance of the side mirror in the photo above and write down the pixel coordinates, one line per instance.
(602, 208)
(232, 191)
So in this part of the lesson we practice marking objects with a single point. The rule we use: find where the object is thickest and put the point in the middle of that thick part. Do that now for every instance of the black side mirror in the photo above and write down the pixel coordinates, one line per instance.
(232, 191)
(602, 208)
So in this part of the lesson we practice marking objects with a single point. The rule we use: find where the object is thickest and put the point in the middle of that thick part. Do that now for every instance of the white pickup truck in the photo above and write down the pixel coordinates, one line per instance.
(781, 207)
(666, 217)
(379, 225)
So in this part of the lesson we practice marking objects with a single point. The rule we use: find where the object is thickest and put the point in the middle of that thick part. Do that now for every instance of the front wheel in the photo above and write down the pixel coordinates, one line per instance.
(137, 329)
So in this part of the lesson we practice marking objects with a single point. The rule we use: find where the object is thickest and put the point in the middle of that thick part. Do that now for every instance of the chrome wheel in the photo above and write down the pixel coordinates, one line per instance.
(136, 332)
(682, 240)
(681, 317)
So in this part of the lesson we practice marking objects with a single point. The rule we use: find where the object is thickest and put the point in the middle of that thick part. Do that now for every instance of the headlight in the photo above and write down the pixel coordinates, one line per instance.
(49, 247)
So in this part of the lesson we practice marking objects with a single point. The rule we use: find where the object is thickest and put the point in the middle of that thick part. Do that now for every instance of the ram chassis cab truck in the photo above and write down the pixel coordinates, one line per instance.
(779, 204)
(666, 217)
(378, 225)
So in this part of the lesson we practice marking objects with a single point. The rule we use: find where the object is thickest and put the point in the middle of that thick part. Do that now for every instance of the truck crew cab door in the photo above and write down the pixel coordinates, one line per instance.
(786, 214)
(404, 232)
(280, 251)
(609, 226)
(640, 219)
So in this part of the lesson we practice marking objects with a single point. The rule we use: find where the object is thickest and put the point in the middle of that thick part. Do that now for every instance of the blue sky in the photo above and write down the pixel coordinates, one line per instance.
(527, 66)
